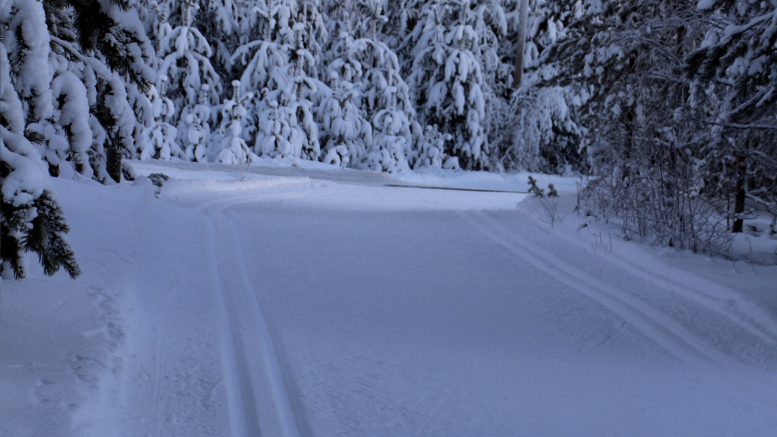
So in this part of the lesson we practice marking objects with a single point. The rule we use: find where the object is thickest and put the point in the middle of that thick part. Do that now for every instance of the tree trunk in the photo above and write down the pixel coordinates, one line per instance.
(113, 165)
(628, 145)
(521, 47)
(741, 193)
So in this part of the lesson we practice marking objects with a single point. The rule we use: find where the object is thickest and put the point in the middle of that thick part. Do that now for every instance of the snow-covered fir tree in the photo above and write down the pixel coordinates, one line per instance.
(266, 72)
(302, 94)
(392, 141)
(431, 151)
(544, 134)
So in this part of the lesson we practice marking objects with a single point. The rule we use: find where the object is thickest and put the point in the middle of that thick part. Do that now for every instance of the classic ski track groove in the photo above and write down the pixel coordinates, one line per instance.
(662, 330)
(238, 387)
(272, 362)
(241, 397)
(674, 339)
(764, 326)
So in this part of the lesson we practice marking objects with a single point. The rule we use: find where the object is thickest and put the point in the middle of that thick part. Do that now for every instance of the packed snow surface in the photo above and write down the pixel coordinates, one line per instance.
(287, 301)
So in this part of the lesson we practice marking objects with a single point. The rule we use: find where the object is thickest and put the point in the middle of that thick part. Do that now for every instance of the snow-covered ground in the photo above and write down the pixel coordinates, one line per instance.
(286, 301)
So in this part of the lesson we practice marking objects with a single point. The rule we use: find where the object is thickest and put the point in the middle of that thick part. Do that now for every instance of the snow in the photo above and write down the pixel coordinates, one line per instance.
(705, 4)
(307, 300)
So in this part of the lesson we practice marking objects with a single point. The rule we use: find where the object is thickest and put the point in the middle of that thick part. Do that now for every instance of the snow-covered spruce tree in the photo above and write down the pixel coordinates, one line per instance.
(30, 219)
(265, 68)
(490, 24)
(447, 80)
(313, 28)
(194, 131)
(431, 151)
(233, 149)
(302, 94)
(488, 20)
(103, 44)
(159, 139)
(280, 70)
(383, 97)
(194, 85)
(345, 130)
(734, 73)
(78, 70)
(391, 141)
(219, 21)
(401, 19)
(64, 134)
(547, 23)
(26, 36)
(276, 137)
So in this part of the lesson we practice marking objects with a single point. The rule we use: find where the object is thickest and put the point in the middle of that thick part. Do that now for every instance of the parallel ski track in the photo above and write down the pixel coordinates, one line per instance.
(272, 363)
(678, 341)
(241, 361)
(754, 320)
(241, 404)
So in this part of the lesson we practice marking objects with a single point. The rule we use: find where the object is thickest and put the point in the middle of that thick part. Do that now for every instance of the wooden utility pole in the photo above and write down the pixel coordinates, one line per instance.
(521, 48)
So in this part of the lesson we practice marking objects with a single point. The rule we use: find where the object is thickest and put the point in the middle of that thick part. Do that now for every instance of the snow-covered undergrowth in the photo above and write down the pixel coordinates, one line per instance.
(305, 301)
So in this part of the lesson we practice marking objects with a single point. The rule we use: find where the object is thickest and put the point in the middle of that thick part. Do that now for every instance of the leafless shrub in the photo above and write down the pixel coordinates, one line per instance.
(662, 213)
(548, 200)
